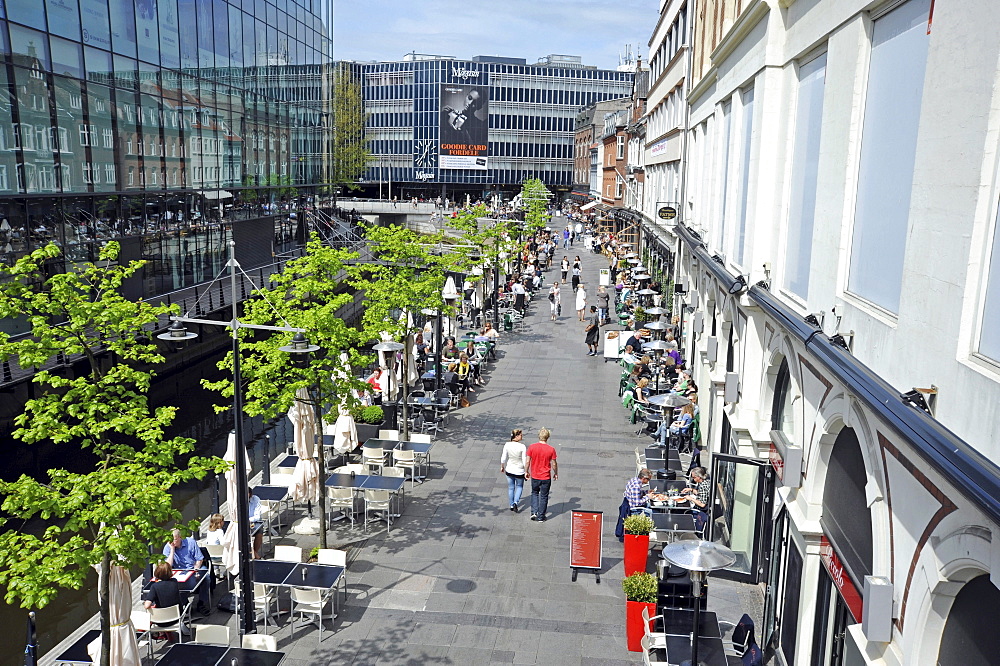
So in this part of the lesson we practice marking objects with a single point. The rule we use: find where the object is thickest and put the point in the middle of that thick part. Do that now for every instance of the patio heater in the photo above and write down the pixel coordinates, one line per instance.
(699, 558)
(178, 334)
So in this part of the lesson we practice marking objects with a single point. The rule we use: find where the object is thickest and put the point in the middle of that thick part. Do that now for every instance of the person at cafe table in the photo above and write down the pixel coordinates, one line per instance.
(184, 554)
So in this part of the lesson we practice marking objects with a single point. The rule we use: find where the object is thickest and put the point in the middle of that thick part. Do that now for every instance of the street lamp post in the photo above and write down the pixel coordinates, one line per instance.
(178, 333)
(389, 348)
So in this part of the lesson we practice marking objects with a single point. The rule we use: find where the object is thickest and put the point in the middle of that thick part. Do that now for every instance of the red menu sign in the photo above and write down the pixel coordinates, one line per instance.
(586, 541)
(840, 578)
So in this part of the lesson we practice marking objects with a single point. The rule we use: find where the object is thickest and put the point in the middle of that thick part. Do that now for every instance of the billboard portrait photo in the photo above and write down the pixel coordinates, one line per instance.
(464, 127)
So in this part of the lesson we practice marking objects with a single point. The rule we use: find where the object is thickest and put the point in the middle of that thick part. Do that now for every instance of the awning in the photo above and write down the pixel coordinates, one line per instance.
(216, 194)
(589, 206)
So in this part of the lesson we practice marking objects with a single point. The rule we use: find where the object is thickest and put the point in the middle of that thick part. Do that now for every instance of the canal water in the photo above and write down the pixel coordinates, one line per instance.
(197, 419)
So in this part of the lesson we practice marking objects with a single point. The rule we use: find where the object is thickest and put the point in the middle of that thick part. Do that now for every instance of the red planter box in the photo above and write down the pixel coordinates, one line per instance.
(633, 623)
(636, 552)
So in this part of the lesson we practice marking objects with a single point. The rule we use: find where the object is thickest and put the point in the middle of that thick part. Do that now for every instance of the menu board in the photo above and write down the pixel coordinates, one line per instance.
(586, 540)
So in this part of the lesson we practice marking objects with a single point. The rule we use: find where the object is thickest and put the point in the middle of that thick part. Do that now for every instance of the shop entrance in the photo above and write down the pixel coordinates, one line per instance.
(832, 619)
(741, 518)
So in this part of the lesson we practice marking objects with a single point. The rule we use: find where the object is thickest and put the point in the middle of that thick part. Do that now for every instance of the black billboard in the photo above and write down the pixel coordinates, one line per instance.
(464, 127)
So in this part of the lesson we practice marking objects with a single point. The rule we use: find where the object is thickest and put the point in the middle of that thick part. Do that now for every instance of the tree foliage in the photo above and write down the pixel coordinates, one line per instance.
(535, 201)
(350, 143)
(307, 294)
(121, 502)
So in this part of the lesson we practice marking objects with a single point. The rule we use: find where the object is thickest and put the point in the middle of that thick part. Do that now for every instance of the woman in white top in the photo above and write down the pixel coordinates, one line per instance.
(512, 463)
(581, 301)
(555, 300)
(215, 531)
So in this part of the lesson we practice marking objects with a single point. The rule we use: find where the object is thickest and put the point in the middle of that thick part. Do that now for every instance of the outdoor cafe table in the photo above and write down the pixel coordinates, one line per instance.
(77, 652)
(711, 651)
(194, 654)
(271, 495)
(657, 458)
(673, 523)
(289, 461)
(665, 486)
(680, 621)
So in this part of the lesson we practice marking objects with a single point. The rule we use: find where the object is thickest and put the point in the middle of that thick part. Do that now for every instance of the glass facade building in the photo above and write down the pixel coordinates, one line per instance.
(162, 123)
(440, 126)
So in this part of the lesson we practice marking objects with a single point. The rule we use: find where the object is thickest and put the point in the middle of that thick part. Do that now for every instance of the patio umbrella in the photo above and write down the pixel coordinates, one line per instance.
(31, 647)
(410, 345)
(230, 542)
(388, 360)
(124, 648)
(345, 432)
(305, 477)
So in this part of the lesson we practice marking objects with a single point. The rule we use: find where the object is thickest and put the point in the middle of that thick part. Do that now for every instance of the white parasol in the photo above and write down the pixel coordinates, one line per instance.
(305, 477)
(345, 432)
(124, 648)
(230, 542)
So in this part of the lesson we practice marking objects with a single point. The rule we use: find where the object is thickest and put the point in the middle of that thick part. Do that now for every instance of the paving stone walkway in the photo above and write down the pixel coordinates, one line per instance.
(463, 580)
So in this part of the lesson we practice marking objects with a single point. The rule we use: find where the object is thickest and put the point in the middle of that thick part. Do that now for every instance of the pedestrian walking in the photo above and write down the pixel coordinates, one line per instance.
(555, 300)
(513, 462)
(564, 267)
(603, 301)
(566, 235)
(581, 302)
(593, 331)
(542, 470)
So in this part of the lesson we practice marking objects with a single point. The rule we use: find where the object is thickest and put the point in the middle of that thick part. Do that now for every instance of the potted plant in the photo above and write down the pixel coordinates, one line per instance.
(637, 529)
(368, 421)
(640, 592)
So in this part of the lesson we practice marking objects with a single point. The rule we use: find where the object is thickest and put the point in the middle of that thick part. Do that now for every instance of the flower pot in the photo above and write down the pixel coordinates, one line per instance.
(633, 623)
(368, 431)
(636, 552)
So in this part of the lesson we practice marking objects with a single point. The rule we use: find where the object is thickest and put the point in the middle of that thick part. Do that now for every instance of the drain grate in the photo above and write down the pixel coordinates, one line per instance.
(605, 454)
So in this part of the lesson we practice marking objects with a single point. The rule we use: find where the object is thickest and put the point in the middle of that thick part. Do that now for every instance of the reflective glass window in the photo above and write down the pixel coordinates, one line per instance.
(122, 26)
(64, 18)
(147, 28)
(67, 58)
(28, 12)
(95, 20)
(169, 34)
(29, 47)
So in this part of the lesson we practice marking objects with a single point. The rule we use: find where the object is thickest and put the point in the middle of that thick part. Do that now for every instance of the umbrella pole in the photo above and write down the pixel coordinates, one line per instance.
(405, 386)
(319, 454)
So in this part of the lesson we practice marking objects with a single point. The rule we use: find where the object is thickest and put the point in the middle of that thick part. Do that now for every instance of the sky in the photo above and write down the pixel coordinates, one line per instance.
(596, 30)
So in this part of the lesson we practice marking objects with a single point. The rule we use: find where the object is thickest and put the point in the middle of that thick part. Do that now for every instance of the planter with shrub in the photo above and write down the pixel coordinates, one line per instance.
(368, 421)
(640, 592)
(637, 529)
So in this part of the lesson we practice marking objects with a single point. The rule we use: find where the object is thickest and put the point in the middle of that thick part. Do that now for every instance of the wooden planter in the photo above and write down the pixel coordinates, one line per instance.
(633, 623)
(636, 553)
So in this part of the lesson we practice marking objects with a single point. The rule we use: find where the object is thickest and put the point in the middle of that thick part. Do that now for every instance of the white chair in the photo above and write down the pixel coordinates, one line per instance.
(391, 435)
(378, 501)
(215, 554)
(373, 458)
(401, 474)
(214, 634)
(655, 639)
(647, 645)
(342, 499)
(309, 601)
(337, 558)
(353, 468)
(163, 619)
(422, 458)
(260, 642)
(404, 460)
(288, 553)
(420, 437)
(263, 598)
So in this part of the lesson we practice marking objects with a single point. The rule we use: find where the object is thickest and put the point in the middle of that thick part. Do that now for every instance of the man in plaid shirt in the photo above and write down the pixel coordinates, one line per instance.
(638, 501)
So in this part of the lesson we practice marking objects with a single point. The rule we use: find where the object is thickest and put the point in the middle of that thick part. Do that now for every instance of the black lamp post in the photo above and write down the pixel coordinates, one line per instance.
(178, 334)
(390, 348)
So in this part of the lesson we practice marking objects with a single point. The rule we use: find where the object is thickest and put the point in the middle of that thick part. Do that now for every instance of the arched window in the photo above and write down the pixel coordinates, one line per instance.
(970, 635)
(781, 408)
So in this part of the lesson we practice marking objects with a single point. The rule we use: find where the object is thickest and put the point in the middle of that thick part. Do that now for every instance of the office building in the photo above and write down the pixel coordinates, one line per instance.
(441, 126)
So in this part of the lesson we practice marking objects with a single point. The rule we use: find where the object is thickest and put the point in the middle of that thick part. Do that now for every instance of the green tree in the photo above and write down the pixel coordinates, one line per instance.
(406, 275)
(307, 293)
(486, 242)
(350, 142)
(108, 514)
(535, 202)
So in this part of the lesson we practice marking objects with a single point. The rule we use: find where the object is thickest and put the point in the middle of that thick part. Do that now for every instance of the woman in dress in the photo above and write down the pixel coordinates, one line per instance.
(512, 463)
(581, 302)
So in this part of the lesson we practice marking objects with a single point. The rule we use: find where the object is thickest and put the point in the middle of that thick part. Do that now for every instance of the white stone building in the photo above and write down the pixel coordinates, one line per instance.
(840, 251)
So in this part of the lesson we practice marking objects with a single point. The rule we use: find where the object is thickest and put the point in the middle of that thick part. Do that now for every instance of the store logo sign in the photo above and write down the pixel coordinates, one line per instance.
(464, 74)
(834, 566)
(424, 175)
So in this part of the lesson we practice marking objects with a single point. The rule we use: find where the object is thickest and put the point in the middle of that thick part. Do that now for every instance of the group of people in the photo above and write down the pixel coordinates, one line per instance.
(536, 462)
(695, 496)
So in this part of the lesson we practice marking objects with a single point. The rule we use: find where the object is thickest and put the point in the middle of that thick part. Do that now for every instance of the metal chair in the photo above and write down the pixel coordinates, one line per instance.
(391, 435)
(647, 645)
(309, 601)
(655, 639)
(342, 499)
(263, 598)
(213, 634)
(260, 642)
(288, 553)
(400, 473)
(378, 501)
(404, 460)
(373, 459)
(337, 558)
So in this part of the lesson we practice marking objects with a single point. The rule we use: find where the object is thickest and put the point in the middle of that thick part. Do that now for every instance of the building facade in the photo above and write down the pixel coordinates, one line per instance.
(160, 124)
(445, 127)
(838, 270)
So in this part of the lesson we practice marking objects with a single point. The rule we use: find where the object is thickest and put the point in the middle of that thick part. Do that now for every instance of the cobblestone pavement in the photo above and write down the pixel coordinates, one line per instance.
(463, 580)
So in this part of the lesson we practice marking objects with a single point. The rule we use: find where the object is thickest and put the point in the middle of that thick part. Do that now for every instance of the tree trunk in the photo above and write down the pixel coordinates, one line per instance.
(321, 456)
(103, 596)
(405, 393)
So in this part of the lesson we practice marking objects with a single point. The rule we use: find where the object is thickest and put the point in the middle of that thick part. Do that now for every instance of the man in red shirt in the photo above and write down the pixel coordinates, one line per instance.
(542, 469)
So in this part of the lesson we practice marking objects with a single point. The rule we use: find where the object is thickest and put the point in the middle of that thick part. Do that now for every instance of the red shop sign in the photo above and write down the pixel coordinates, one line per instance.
(841, 579)
(777, 462)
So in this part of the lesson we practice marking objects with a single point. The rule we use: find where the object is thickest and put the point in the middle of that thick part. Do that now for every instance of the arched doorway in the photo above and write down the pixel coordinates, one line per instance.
(970, 635)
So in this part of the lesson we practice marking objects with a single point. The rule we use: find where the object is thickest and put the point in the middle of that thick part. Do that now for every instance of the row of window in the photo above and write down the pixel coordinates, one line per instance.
(672, 42)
